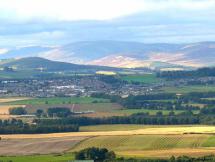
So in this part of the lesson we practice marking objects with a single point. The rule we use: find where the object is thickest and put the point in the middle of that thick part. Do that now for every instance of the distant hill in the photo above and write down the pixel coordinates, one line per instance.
(124, 54)
(37, 63)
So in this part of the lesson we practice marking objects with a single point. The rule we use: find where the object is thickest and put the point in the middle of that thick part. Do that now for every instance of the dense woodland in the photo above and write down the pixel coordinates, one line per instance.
(202, 72)
(163, 101)
(15, 126)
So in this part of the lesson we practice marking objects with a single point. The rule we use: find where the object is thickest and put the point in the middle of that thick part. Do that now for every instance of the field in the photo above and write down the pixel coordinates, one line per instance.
(145, 130)
(99, 107)
(11, 99)
(176, 140)
(115, 127)
(144, 143)
(35, 146)
(144, 78)
(56, 100)
(40, 158)
(125, 140)
(151, 112)
(188, 89)
(4, 109)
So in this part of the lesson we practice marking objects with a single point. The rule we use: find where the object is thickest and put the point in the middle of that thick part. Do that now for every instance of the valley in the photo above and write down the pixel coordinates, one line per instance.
(137, 113)
(107, 81)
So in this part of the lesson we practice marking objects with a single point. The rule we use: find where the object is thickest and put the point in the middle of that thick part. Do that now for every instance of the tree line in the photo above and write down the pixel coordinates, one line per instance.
(14, 126)
(105, 155)
(139, 118)
(202, 72)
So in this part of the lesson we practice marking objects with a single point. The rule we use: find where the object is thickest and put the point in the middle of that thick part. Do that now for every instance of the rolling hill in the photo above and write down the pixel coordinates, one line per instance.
(124, 54)
(37, 63)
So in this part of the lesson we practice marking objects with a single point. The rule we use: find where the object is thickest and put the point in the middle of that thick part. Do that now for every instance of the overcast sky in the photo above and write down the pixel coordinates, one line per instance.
(56, 22)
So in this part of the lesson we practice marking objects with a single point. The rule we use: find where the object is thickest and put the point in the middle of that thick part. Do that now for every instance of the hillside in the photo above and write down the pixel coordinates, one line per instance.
(124, 54)
(37, 63)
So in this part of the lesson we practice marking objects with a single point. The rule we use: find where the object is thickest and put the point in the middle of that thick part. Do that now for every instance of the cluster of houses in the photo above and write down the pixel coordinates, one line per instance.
(74, 86)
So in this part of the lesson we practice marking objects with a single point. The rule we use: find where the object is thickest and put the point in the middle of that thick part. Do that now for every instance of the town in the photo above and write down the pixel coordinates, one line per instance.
(72, 86)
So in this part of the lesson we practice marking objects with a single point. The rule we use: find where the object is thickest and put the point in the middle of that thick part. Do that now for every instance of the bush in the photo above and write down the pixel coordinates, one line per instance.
(96, 154)
(17, 111)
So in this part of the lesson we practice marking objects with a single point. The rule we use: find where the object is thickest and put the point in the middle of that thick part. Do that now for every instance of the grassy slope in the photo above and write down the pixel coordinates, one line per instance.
(145, 78)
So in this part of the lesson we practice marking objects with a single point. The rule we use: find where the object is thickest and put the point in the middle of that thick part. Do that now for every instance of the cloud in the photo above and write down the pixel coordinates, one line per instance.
(3, 50)
(70, 10)
(56, 22)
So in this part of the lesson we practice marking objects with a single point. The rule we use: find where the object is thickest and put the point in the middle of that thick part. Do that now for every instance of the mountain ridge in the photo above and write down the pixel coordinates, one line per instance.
(125, 54)
(37, 63)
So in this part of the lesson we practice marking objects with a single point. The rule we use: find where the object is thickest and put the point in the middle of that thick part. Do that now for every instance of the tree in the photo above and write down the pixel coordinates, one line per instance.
(17, 111)
(96, 154)
(39, 112)
(59, 112)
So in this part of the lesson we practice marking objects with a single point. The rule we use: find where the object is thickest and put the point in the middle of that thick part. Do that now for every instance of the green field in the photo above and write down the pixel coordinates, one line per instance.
(151, 112)
(57, 100)
(144, 78)
(39, 158)
(188, 89)
(96, 107)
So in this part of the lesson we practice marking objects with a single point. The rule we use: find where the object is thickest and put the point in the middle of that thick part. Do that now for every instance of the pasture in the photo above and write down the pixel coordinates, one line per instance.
(188, 89)
(144, 78)
(127, 112)
(57, 100)
(39, 158)
(99, 109)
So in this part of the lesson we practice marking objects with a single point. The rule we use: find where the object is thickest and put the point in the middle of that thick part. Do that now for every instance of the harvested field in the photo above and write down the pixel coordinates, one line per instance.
(136, 141)
(11, 99)
(168, 130)
(4, 109)
(114, 127)
(35, 146)
(144, 142)
(6, 116)
(196, 152)
(161, 146)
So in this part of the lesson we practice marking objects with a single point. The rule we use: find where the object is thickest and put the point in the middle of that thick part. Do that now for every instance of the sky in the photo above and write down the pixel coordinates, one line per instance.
(58, 22)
